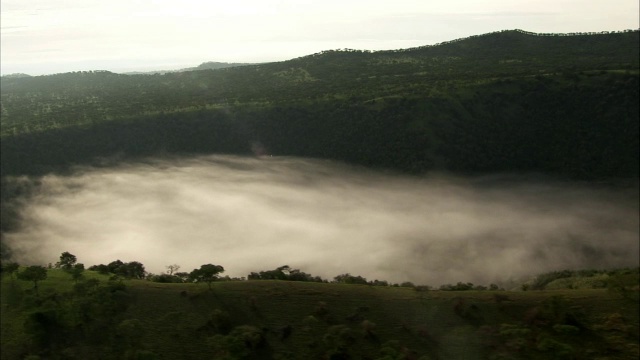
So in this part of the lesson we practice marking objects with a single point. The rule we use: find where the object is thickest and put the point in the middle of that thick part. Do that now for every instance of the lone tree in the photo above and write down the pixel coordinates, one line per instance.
(67, 261)
(207, 273)
(33, 273)
(172, 268)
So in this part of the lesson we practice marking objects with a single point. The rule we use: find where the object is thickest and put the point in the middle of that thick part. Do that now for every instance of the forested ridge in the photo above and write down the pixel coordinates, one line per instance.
(505, 101)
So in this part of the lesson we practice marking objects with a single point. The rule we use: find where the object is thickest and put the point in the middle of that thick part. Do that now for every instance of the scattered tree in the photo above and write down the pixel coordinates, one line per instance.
(284, 272)
(102, 268)
(76, 272)
(243, 342)
(164, 278)
(460, 286)
(130, 270)
(67, 260)
(183, 276)
(114, 266)
(408, 284)
(33, 273)
(350, 279)
(206, 273)
(10, 268)
(172, 268)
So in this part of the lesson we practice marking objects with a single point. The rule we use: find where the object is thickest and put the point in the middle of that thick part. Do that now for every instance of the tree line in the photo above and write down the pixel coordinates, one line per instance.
(209, 273)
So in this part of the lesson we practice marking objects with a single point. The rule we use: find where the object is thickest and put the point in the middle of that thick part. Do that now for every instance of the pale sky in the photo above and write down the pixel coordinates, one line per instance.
(53, 36)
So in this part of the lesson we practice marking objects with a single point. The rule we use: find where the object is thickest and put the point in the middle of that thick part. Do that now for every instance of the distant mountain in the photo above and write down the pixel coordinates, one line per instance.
(15, 76)
(210, 65)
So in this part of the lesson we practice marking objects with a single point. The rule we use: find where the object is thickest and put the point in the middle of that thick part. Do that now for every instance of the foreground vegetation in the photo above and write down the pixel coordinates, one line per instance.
(102, 315)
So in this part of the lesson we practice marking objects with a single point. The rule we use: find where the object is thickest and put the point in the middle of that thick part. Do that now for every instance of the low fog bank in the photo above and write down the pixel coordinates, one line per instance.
(253, 214)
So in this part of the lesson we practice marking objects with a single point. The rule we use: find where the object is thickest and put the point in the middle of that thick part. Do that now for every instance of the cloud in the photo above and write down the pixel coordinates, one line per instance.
(253, 214)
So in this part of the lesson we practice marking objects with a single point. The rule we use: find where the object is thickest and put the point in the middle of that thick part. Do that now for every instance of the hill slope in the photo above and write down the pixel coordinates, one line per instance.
(298, 320)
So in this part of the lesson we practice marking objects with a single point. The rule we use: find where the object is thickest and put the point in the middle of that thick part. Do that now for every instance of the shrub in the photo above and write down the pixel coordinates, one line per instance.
(220, 321)
(555, 349)
(165, 278)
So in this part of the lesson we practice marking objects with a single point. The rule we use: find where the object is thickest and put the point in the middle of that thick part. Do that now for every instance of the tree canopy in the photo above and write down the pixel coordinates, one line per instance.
(206, 273)
(35, 273)
(67, 261)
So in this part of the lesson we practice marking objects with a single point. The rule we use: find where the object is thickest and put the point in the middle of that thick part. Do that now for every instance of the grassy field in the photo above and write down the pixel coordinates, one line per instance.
(300, 320)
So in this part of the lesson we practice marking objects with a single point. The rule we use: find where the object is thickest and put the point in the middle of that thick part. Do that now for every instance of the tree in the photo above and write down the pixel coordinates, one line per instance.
(207, 273)
(114, 266)
(102, 268)
(76, 272)
(243, 342)
(172, 268)
(350, 279)
(10, 268)
(33, 273)
(67, 260)
(183, 276)
(132, 270)
(284, 272)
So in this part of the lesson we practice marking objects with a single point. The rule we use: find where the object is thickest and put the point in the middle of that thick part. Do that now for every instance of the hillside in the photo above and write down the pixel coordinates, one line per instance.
(271, 319)
(506, 101)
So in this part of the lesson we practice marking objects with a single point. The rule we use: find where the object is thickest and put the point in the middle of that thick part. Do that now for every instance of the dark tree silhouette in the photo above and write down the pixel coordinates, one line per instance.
(33, 273)
(10, 268)
(67, 261)
(206, 273)
(76, 272)
(172, 268)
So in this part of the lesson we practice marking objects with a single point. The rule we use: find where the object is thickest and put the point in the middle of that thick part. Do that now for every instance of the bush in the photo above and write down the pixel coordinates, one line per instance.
(165, 278)
(457, 287)
(555, 349)
(243, 342)
(350, 279)
(220, 321)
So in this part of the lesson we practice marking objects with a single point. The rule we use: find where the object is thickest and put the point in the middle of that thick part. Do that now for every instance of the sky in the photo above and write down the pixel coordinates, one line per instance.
(53, 36)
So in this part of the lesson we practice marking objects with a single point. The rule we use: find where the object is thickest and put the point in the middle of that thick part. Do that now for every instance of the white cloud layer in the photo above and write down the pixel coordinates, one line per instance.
(251, 214)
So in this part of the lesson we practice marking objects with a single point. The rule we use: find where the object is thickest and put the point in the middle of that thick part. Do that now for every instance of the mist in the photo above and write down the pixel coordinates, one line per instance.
(326, 218)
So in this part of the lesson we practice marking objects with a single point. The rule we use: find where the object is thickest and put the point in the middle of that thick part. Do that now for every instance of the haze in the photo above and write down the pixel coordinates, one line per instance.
(53, 36)
(325, 218)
